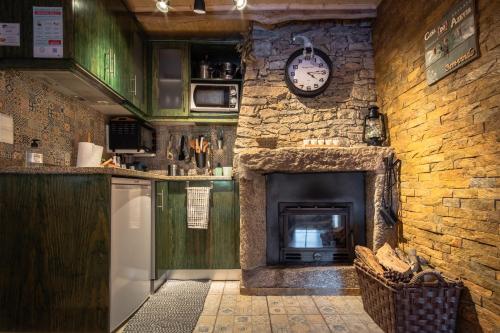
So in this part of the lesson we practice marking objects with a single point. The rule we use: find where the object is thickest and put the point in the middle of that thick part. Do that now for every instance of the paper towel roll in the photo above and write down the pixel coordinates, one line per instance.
(89, 155)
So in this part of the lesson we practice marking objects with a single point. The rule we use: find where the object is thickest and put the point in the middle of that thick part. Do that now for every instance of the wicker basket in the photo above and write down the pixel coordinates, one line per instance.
(410, 307)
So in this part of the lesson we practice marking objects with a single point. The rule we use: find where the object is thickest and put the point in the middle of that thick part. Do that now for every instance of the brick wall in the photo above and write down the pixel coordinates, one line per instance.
(447, 137)
(270, 110)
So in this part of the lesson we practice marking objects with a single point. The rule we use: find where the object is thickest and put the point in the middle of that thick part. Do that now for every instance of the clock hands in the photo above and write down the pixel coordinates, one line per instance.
(316, 72)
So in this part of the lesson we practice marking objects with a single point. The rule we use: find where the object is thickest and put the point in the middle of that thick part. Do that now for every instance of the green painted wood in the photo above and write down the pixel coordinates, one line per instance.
(224, 229)
(215, 248)
(161, 232)
(156, 111)
(54, 253)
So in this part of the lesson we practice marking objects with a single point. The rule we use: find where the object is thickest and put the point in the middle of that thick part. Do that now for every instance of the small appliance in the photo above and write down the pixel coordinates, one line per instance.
(212, 97)
(126, 135)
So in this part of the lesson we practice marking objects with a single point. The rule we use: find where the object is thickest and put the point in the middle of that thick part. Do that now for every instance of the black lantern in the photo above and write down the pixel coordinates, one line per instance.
(374, 128)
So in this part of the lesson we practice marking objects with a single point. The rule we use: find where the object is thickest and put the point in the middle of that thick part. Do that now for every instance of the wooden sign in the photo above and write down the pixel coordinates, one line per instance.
(453, 42)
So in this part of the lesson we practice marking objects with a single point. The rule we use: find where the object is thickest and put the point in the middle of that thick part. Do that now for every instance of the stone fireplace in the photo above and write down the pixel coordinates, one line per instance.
(340, 179)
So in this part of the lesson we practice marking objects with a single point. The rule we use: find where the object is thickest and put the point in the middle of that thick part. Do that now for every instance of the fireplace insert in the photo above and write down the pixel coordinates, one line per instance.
(314, 232)
(314, 218)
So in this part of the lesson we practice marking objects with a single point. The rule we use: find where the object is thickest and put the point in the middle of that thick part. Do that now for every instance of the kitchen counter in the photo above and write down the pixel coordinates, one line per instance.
(115, 172)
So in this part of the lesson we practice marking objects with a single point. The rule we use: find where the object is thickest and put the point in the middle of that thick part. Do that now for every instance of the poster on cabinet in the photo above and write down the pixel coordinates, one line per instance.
(452, 42)
(48, 32)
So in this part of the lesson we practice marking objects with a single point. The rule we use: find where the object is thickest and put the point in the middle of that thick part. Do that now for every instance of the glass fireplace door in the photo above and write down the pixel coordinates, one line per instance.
(314, 234)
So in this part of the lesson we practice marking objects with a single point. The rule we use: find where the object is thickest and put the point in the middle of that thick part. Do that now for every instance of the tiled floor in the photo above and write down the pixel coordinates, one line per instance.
(227, 311)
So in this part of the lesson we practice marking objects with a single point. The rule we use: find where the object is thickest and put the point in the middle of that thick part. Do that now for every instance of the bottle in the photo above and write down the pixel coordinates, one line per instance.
(34, 155)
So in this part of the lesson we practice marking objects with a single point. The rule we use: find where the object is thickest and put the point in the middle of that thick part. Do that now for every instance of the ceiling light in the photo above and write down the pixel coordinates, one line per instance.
(240, 4)
(199, 7)
(162, 5)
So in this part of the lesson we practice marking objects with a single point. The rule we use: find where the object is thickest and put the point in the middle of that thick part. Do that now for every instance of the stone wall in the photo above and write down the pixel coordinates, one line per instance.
(447, 138)
(39, 112)
(270, 110)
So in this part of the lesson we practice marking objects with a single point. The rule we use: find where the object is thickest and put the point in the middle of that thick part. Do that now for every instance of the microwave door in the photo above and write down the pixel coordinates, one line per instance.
(211, 98)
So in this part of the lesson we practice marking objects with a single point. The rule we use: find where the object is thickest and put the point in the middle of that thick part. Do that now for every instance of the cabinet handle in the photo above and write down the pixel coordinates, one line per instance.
(112, 63)
(134, 85)
(161, 205)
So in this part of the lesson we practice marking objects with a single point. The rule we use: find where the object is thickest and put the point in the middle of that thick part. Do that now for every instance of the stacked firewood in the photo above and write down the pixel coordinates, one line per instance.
(393, 264)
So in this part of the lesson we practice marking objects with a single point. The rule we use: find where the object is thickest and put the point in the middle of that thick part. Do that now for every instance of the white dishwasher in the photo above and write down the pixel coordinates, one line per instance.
(130, 272)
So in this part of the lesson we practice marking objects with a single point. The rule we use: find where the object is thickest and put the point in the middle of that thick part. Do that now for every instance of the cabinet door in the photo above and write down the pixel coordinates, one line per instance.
(161, 232)
(170, 80)
(137, 73)
(187, 248)
(224, 228)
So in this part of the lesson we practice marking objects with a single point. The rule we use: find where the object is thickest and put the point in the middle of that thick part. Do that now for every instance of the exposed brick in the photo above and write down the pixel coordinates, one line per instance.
(446, 136)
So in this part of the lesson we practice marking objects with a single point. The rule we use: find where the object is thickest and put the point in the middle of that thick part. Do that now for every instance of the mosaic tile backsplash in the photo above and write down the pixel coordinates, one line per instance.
(39, 112)
(223, 156)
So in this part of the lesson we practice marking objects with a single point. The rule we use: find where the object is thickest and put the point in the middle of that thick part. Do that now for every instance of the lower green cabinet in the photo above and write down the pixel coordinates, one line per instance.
(214, 248)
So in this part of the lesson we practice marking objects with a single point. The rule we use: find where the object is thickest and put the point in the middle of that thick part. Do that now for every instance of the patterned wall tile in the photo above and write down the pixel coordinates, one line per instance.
(60, 122)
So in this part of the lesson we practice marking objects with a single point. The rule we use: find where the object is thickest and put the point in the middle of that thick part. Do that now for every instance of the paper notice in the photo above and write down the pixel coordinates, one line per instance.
(9, 34)
(6, 129)
(48, 32)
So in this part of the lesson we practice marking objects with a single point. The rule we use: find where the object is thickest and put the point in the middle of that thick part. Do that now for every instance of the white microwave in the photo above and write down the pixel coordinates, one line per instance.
(216, 97)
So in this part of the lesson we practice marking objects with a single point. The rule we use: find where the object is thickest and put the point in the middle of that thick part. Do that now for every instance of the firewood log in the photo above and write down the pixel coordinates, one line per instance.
(388, 258)
(368, 258)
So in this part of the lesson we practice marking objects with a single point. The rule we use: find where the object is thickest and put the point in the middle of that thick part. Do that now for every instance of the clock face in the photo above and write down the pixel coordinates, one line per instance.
(308, 75)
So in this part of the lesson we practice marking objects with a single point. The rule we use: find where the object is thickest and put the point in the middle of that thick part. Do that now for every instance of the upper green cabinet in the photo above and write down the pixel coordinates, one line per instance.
(175, 66)
(109, 44)
(102, 40)
(170, 80)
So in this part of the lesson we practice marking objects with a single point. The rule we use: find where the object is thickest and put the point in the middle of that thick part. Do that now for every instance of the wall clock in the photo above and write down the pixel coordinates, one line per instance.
(308, 71)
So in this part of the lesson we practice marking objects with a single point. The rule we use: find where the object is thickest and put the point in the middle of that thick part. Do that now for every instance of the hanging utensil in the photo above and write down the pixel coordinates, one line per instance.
(386, 211)
(182, 156)
(186, 150)
(170, 154)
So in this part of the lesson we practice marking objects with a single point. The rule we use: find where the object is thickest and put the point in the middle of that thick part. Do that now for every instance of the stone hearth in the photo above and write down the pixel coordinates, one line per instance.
(255, 163)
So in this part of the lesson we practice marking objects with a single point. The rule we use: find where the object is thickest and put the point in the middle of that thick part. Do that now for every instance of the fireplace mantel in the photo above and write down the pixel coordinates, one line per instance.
(254, 163)
(313, 159)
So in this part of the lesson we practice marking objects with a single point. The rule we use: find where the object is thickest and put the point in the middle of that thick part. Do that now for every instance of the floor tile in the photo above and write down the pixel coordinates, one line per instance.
(259, 306)
(224, 324)
(276, 306)
(232, 288)
(242, 324)
(279, 324)
(205, 324)
(217, 287)
(212, 303)
(299, 324)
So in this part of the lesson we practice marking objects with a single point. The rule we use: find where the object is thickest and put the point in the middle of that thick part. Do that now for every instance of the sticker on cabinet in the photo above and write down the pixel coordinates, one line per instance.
(9, 34)
(47, 32)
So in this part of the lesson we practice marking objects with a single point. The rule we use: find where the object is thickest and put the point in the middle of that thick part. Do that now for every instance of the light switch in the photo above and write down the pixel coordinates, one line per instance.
(6, 129)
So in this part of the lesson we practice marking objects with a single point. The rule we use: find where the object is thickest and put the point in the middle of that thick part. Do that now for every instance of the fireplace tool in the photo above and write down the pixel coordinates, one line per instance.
(387, 211)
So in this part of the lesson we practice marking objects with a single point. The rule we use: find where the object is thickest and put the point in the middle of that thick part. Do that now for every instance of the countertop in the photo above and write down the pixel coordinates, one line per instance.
(115, 172)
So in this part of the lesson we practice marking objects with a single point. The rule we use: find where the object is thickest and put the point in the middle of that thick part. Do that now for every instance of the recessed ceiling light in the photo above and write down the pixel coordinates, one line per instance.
(240, 4)
(162, 5)
(199, 7)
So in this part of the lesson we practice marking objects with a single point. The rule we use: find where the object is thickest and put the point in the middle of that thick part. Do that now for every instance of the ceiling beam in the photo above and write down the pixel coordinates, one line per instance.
(265, 6)
(268, 17)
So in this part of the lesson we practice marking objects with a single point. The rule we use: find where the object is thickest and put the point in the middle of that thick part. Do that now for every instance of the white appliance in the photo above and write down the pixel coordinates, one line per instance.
(214, 97)
(130, 275)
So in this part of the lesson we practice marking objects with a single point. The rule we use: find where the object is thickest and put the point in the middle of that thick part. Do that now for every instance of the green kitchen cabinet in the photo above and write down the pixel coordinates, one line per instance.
(55, 250)
(161, 228)
(170, 80)
(214, 248)
(102, 41)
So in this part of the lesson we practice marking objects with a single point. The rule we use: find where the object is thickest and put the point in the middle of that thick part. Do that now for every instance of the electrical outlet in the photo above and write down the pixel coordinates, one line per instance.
(6, 129)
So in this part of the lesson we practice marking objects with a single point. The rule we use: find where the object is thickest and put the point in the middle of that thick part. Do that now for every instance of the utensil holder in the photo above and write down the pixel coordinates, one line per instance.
(201, 159)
